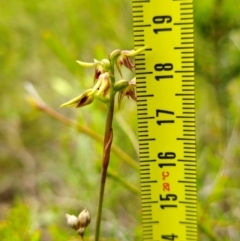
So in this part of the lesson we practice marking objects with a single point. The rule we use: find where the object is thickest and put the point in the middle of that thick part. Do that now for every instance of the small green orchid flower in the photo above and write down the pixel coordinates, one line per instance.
(102, 85)
(100, 66)
(85, 98)
(122, 57)
(129, 90)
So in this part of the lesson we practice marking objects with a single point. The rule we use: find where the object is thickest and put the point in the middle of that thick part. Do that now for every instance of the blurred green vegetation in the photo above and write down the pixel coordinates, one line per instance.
(49, 169)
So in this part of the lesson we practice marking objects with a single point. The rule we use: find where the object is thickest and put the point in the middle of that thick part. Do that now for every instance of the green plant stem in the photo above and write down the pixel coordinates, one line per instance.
(108, 137)
(81, 238)
(210, 236)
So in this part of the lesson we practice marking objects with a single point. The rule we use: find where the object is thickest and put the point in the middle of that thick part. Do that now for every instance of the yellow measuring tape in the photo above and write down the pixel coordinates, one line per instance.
(166, 118)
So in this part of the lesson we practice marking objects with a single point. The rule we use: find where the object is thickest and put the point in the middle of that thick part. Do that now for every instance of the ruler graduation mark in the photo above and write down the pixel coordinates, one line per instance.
(166, 118)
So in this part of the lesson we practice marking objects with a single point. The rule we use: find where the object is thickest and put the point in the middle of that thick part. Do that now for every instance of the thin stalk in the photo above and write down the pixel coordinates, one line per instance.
(108, 137)
(40, 105)
(115, 176)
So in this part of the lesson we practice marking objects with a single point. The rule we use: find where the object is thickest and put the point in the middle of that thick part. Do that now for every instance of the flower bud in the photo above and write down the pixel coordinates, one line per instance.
(105, 65)
(72, 221)
(84, 219)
